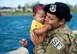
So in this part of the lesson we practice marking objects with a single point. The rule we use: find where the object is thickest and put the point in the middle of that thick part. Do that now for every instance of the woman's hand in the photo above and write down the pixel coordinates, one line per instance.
(34, 39)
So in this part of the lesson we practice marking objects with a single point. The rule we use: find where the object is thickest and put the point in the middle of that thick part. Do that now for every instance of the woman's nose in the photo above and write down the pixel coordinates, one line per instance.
(46, 20)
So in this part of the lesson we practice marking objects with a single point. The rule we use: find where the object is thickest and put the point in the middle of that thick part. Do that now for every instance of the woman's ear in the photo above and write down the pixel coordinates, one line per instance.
(62, 21)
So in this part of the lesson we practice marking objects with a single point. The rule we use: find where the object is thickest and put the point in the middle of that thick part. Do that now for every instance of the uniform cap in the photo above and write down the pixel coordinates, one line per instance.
(61, 10)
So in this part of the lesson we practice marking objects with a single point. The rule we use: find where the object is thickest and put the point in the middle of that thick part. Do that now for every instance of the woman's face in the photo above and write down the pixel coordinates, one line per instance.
(53, 20)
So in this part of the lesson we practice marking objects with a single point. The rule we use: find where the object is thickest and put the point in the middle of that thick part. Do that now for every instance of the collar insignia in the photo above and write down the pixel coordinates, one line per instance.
(52, 8)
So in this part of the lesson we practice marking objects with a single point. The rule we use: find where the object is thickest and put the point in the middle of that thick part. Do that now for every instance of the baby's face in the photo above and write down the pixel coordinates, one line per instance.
(40, 16)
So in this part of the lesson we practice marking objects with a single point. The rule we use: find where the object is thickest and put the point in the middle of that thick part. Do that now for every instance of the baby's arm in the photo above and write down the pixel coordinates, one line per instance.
(37, 32)
(41, 31)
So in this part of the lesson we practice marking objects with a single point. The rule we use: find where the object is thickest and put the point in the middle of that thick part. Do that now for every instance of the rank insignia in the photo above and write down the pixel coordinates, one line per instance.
(52, 8)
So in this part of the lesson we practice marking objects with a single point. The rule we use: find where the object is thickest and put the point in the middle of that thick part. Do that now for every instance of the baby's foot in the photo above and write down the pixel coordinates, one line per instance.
(24, 42)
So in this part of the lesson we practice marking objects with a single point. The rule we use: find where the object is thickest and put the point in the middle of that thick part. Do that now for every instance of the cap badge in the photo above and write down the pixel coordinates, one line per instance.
(52, 8)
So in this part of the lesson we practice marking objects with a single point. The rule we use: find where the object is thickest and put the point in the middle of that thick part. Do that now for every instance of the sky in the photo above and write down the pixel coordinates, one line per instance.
(15, 3)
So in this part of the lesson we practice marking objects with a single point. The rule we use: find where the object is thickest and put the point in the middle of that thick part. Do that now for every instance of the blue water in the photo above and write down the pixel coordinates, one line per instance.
(14, 28)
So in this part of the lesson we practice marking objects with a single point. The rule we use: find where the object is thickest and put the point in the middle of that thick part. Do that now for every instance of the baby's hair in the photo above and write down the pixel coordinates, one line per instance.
(38, 6)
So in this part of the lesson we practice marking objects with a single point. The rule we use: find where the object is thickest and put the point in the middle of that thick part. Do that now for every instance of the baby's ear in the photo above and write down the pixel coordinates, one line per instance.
(33, 14)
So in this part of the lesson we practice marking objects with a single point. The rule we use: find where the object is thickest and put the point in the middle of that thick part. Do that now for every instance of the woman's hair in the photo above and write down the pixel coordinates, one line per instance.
(38, 7)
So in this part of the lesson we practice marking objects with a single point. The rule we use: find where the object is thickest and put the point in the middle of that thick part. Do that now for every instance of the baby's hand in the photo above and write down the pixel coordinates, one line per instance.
(48, 26)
